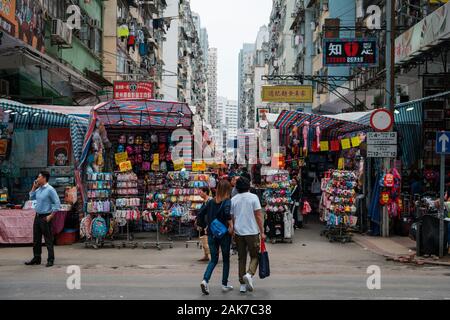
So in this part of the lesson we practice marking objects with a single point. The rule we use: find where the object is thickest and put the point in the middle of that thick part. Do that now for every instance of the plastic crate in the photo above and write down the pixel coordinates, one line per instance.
(67, 237)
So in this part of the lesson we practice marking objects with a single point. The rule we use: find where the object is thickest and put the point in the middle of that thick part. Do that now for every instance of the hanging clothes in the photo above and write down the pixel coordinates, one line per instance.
(143, 49)
(123, 31)
(131, 43)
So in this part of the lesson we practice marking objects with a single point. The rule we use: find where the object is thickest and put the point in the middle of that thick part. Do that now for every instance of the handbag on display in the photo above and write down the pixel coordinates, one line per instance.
(315, 186)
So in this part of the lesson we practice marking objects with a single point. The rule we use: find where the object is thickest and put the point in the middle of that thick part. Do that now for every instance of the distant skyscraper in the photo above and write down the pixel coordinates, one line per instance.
(245, 65)
(204, 43)
(212, 86)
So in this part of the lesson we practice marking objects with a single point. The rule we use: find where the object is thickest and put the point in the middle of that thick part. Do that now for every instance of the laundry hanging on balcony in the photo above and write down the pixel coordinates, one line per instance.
(123, 31)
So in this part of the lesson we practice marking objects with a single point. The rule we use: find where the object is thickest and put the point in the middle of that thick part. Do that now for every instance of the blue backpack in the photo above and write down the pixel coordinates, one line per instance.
(99, 228)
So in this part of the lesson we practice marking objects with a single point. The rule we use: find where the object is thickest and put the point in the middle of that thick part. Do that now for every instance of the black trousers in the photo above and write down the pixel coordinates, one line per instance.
(42, 228)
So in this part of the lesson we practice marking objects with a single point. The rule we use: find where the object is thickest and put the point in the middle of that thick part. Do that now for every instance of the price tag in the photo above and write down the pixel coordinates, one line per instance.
(324, 146)
(121, 157)
(345, 144)
(125, 166)
(198, 166)
(356, 142)
(178, 164)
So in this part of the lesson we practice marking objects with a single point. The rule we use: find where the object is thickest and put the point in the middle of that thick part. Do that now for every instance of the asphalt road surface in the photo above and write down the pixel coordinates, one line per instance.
(309, 268)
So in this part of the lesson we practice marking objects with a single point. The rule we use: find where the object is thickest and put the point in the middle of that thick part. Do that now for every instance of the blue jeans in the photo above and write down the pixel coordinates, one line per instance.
(225, 245)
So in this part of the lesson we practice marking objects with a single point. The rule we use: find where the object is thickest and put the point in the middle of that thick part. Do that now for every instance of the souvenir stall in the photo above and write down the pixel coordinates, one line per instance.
(316, 145)
(129, 150)
(32, 140)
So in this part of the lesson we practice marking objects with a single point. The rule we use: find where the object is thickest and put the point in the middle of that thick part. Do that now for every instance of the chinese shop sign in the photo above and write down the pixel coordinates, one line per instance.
(350, 52)
(287, 94)
(133, 90)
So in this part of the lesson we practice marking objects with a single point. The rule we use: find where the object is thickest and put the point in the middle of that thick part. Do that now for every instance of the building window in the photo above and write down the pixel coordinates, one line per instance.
(55, 8)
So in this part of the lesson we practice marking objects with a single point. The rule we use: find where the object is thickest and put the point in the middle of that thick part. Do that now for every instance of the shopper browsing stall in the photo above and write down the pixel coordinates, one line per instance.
(296, 198)
(216, 212)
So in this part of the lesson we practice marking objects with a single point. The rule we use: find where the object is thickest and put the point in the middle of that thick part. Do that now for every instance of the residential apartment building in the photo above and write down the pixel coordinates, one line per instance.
(259, 69)
(212, 88)
(245, 83)
(184, 79)
(283, 47)
(53, 64)
(227, 115)
(133, 41)
(204, 43)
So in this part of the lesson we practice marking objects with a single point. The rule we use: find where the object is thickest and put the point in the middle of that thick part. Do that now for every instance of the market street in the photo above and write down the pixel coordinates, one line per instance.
(310, 268)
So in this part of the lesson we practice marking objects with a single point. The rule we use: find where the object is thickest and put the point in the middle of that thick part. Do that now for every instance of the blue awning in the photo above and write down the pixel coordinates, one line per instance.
(33, 118)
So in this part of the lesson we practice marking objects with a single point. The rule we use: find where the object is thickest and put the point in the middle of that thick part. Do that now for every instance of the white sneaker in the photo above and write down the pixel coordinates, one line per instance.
(227, 288)
(243, 288)
(205, 287)
(249, 282)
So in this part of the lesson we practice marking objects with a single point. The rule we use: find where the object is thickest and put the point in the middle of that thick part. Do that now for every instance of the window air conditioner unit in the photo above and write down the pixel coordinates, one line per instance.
(61, 33)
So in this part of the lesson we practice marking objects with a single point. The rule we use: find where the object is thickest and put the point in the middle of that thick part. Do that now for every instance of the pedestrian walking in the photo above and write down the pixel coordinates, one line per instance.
(47, 204)
(296, 196)
(248, 224)
(217, 211)
(204, 193)
(234, 179)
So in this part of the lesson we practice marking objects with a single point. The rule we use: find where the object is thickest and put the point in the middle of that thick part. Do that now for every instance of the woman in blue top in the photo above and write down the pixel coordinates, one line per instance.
(218, 208)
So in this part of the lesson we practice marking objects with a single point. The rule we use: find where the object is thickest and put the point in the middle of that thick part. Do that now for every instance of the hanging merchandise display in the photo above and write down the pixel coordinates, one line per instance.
(339, 201)
(98, 208)
(277, 201)
(390, 196)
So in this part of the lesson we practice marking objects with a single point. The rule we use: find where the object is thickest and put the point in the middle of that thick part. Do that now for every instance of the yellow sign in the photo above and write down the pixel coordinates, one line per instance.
(121, 157)
(125, 166)
(356, 142)
(341, 164)
(178, 164)
(324, 146)
(345, 144)
(199, 166)
(288, 94)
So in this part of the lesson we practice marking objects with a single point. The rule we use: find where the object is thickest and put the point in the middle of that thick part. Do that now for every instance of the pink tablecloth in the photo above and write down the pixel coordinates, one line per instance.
(16, 226)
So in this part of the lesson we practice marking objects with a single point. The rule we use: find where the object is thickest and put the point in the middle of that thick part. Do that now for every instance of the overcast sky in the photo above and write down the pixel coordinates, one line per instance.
(230, 23)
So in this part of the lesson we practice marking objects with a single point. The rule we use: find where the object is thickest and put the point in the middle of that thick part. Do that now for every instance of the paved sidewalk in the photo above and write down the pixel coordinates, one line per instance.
(399, 249)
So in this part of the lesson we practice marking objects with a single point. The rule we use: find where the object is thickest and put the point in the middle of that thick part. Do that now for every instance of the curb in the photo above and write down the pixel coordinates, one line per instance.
(398, 258)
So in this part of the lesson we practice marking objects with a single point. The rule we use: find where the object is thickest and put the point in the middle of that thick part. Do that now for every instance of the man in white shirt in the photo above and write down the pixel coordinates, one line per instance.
(248, 227)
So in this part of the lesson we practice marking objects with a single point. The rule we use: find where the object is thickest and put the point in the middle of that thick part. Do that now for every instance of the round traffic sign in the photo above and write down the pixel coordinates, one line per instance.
(382, 120)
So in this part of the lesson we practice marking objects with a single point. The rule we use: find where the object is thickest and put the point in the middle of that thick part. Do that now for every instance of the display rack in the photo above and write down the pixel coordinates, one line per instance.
(277, 200)
(339, 188)
(154, 209)
(184, 193)
(128, 202)
(99, 203)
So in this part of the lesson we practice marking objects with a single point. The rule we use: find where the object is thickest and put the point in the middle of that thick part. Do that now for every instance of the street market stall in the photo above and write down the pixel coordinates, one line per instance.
(132, 183)
(318, 148)
(31, 140)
